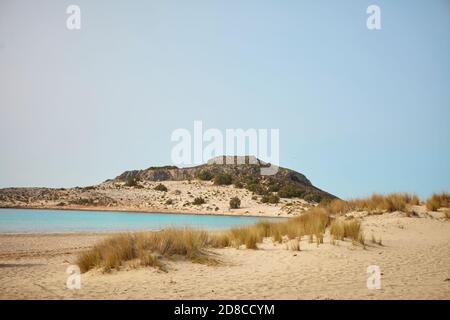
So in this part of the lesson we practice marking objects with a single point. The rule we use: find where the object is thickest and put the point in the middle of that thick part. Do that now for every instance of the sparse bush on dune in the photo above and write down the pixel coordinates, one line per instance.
(272, 198)
(235, 203)
(198, 201)
(223, 179)
(161, 187)
(238, 185)
(131, 182)
(205, 175)
(438, 200)
(291, 191)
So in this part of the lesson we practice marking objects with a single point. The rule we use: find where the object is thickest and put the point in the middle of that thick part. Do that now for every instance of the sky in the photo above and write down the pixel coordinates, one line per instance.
(358, 110)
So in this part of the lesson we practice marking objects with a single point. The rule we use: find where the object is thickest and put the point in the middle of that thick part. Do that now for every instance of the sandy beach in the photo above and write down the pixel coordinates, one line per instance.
(414, 259)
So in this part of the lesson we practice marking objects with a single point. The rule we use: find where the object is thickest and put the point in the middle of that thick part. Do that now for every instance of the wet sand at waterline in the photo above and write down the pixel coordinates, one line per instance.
(414, 259)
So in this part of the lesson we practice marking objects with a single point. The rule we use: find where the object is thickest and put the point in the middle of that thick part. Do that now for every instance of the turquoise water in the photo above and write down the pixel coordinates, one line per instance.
(56, 221)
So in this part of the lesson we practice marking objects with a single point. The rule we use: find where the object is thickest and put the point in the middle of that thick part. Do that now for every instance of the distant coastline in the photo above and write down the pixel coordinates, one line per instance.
(147, 211)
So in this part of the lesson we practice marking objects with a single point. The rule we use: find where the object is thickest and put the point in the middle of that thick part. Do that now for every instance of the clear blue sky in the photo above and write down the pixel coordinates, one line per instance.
(359, 111)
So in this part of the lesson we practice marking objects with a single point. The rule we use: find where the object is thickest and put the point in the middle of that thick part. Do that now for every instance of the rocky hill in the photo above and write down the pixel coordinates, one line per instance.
(202, 189)
(243, 172)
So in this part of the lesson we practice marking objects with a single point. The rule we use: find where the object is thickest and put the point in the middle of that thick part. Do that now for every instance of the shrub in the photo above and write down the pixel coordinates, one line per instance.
(313, 197)
(238, 185)
(131, 182)
(222, 179)
(198, 201)
(161, 187)
(273, 187)
(257, 188)
(290, 191)
(169, 201)
(235, 203)
(205, 175)
(270, 199)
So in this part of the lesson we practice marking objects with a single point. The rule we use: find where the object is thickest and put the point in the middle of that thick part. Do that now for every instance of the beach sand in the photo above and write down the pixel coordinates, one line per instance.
(414, 261)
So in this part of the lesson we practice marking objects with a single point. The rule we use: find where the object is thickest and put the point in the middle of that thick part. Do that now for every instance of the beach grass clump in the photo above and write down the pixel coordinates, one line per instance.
(375, 203)
(447, 214)
(438, 200)
(347, 229)
(293, 245)
(109, 253)
(150, 248)
(146, 247)
(312, 223)
(248, 236)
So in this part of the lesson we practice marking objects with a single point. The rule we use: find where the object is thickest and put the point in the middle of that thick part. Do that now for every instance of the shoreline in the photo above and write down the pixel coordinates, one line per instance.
(147, 211)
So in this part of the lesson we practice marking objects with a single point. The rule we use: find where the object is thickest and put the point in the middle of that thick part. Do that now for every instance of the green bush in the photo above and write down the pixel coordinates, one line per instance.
(313, 197)
(131, 182)
(223, 179)
(235, 203)
(205, 175)
(161, 187)
(290, 191)
(238, 185)
(257, 189)
(198, 201)
(270, 199)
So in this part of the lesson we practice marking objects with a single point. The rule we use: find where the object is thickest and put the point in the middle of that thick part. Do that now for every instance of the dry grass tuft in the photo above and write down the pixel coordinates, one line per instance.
(293, 245)
(113, 252)
(375, 203)
(148, 248)
(438, 200)
(447, 214)
(351, 229)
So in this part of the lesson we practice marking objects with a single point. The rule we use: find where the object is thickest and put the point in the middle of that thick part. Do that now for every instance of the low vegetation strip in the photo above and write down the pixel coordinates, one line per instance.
(151, 248)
